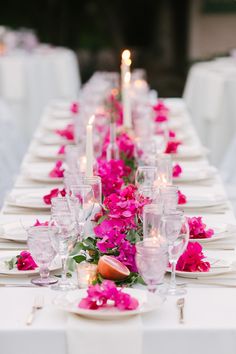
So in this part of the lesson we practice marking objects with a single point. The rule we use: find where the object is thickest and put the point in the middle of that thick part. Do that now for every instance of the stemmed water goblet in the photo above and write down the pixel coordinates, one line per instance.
(175, 228)
(151, 261)
(83, 202)
(63, 219)
(41, 248)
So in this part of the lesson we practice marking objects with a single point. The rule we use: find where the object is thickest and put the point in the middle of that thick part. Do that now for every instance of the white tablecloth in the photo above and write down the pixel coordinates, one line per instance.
(210, 97)
(28, 81)
(210, 325)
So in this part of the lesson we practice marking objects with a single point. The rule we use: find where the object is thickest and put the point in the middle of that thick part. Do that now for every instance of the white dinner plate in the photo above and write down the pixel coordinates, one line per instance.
(51, 138)
(147, 303)
(47, 152)
(220, 232)
(191, 174)
(54, 124)
(55, 265)
(218, 266)
(43, 176)
(188, 152)
(32, 199)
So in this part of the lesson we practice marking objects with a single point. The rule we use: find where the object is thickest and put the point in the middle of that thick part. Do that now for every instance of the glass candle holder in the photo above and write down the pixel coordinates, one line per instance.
(164, 170)
(152, 214)
(86, 274)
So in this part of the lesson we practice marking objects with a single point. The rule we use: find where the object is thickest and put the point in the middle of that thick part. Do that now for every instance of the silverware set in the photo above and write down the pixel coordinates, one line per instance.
(180, 305)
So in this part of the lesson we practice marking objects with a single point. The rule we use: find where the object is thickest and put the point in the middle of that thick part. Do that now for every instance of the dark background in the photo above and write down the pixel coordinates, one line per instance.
(155, 31)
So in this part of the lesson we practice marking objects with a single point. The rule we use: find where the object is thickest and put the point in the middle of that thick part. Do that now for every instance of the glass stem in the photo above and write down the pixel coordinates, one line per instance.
(64, 268)
(172, 279)
(44, 272)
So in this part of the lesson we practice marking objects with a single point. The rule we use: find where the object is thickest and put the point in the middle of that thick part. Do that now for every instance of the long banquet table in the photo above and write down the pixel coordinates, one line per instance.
(210, 321)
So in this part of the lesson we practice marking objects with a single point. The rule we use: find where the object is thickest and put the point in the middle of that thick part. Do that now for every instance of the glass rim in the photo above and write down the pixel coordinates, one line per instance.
(150, 244)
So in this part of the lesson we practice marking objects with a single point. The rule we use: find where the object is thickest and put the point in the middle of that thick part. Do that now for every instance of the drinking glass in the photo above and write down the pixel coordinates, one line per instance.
(96, 183)
(169, 196)
(145, 151)
(84, 208)
(151, 261)
(72, 158)
(152, 214)
(42, 251)
(64, 220)
(175, 228)
(146, 176)
(164, 170)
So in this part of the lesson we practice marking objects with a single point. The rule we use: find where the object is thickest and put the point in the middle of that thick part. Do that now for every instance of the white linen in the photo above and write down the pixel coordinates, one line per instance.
(210, 322)
(28, 81)
(85, 336)
(210, 97)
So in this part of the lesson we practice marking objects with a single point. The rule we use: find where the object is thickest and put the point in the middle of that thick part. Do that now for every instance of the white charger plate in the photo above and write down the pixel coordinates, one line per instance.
(29, 199)
(47, 152)
(69, 303)
(189, 175)
(55, 265)
(218, 267)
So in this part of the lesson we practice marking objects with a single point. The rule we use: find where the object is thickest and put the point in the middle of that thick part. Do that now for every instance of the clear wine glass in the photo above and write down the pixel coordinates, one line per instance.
(41, 248)
(64, 239)
(151, 261)
(176, 230)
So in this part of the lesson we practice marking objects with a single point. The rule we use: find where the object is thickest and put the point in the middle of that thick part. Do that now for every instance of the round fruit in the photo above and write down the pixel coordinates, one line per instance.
(110, 268)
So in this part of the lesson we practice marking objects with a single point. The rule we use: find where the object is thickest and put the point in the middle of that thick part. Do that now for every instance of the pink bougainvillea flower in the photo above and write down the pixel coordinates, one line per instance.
(177, 170)
(57, 171)
(53, 194)
(125, 145)
(74, 108)
(182, 199)
(197, 229)
(160, 107)
(67, 133)
(172, 147)
(192, 260)
(108, 295)
(38, 223)
(25, 261)
(61, 150)
(160, 118)
(172, 134)
(112, 173)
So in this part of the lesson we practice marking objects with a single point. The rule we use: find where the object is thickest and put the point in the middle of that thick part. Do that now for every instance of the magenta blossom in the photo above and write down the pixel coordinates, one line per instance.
(57, 171)
(172, 134)
(61, 150)
(74, 108)
(107, 295)
(112, 173)
(182, 199)
(53, 194)
(177, 170)
(67, 133)
(38, 223)
(172, 147)
(161, 108)
(160, 118)
(192, 260)
(197, 229)
(25, 261)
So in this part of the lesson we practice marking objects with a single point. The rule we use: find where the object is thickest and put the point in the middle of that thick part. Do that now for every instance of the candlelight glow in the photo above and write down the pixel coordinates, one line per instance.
(126, 55)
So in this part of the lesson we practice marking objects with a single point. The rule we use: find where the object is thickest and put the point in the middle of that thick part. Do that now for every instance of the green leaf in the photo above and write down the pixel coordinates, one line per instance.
(102, 218)
(79, 259)
(11, 263)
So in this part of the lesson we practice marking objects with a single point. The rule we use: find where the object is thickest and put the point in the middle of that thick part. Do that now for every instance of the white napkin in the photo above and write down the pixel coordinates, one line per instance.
(86, 336)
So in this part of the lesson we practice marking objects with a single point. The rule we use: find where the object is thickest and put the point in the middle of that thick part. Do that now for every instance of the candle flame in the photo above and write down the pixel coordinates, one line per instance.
(125, 55)
(127, 77)
(91, 120)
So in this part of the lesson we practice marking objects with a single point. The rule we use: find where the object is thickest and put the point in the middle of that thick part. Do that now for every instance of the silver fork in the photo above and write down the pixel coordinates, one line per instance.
(180, 305)
(38, 305)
